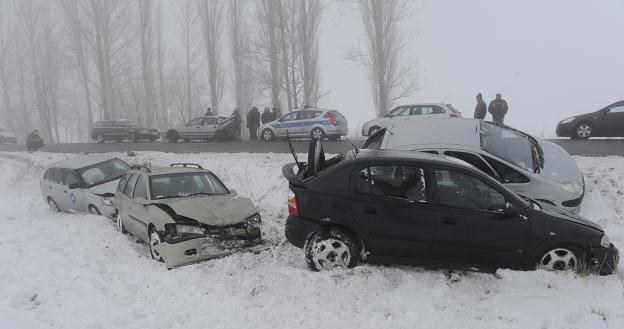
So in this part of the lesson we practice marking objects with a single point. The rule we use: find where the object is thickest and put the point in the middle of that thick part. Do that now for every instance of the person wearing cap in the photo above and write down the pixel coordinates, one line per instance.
(498, 109)
(481, 108)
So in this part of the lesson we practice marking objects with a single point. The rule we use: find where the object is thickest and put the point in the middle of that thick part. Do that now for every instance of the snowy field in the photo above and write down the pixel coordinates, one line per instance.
(75, 271)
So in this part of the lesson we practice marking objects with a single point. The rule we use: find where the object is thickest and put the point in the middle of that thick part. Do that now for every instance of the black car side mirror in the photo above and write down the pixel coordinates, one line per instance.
(510, 210)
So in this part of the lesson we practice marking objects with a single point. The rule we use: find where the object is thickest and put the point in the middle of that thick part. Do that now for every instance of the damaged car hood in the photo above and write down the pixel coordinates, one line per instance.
(214, 210)
(559, 166)
(105, 188)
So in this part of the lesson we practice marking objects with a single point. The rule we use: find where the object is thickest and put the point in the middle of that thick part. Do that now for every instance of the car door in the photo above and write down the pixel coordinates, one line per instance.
(191, 129)
(126, 203)
(137, 211)
(58, 189)
(75, 191)
(473, 228)
(611, 124)
(286, 123)
(210, 125)
(391, 205)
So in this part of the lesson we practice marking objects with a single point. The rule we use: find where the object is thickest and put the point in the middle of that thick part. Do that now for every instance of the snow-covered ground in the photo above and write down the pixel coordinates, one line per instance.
(75, 271)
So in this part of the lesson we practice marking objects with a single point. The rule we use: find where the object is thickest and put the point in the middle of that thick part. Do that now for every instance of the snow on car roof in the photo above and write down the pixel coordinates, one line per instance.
(81, 161)
(434, 131)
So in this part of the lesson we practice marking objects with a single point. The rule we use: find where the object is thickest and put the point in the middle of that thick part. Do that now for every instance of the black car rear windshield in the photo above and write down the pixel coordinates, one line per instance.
(103, 172)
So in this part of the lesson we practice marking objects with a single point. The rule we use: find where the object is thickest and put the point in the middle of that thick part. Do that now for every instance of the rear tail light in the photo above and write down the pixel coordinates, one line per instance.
(332, 119)
(293, 206)
(454, 115)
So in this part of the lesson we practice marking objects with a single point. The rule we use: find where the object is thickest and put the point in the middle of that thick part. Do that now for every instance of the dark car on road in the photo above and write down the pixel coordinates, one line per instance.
(606, 122)
(386, 206)
(120, 130)
(7, 136)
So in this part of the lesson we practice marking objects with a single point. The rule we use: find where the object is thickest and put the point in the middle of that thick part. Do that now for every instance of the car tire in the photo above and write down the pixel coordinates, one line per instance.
(373, 130)
(93, 210)
(53, 206)
(154, 240)
(328, 249)
(267, 135)
(317, 133)
(173, 136)
(100, 138)
(562, 258)
(119, 225)
(583, 131)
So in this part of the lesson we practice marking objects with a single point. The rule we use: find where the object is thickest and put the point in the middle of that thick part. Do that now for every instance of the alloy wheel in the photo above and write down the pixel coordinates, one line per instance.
(559, 259)
(317, 133)
(584, 131)
(330, 254)
(99, 138)
(267, 135)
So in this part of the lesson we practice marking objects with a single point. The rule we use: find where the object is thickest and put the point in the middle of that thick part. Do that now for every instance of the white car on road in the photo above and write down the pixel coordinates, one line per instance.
(199, 128)
(411, 112)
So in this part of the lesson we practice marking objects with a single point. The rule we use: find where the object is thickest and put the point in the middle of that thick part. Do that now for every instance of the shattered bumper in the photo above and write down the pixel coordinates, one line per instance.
(196, 248)
(604, 261)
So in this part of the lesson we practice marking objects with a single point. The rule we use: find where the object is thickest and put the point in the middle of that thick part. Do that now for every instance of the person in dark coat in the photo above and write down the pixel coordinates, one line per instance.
(208, 112)
(481, 108)
(498, 109)
(253, 123)
(267, 116)
(236, 123)
(34, 141)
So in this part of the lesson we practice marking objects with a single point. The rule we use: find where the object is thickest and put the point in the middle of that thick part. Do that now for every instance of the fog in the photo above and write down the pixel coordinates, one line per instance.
(549, 59)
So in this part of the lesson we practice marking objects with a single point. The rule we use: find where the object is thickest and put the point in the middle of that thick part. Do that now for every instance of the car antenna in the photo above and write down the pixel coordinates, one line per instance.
(356, 149)
(292, 151)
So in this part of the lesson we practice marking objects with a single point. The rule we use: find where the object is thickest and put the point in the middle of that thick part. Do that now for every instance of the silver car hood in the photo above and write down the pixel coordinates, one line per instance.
(214, 210)
(108, 187)
(559, 166)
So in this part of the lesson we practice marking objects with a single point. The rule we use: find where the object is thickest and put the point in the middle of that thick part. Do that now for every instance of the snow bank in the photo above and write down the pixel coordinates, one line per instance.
(75, 271)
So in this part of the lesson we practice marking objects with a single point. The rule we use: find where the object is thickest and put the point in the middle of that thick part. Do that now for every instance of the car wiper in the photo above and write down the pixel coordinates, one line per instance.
(203, 193)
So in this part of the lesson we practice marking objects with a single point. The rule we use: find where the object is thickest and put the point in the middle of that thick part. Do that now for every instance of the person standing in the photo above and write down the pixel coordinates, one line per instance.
(267, 116)
(498, 109)
(208, 112)
(253, 123)
(481, 108)
(236, 124)
(34, 141)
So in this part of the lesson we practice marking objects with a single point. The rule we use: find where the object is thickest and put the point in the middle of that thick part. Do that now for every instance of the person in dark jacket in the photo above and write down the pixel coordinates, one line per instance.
(236, 123)
(34, 141)
(498, 109)
(267, 116)
(253, 123)
(208, 112)
(481, 108)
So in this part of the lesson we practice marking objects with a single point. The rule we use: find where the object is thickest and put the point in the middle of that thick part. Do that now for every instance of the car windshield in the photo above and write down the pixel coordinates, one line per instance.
(185, 185)
(103, 172)
(512, 146)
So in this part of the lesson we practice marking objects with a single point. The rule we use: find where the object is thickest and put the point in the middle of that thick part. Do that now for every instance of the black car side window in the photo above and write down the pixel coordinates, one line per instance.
(464, 191)
(403, 182)
(507, 174)
(129, 189)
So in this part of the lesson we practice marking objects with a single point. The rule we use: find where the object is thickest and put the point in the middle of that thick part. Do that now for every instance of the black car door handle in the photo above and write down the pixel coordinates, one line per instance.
(370, 210)
(448, 221)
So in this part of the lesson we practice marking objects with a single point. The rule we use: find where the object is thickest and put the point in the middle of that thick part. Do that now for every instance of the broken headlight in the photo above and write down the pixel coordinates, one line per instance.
(253, 221)
(189, 229)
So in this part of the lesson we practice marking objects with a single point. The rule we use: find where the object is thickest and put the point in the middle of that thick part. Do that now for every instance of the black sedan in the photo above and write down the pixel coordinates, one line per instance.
(383, 206)
(607, 122)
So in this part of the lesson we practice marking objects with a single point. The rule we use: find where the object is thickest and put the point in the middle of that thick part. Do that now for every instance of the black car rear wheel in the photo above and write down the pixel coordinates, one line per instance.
(583, 130)
(330, 249)
(100, 138)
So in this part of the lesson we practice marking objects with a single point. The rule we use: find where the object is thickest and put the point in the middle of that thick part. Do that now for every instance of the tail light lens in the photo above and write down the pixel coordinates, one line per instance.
(454, 115)
(293, 206)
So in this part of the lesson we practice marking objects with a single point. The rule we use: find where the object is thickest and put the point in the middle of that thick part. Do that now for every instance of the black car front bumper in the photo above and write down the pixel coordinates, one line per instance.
(565, 130)
(604, 261)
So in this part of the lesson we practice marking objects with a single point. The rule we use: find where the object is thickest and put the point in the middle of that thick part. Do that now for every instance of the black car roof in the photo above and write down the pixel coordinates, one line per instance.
(385, 154)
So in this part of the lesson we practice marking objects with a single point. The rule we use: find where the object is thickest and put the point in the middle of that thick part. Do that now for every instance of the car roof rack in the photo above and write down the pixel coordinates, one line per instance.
(186, 165)
(141, 167)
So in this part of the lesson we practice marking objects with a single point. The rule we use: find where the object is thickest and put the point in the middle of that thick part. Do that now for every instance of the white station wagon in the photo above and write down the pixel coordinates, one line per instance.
(411, 112)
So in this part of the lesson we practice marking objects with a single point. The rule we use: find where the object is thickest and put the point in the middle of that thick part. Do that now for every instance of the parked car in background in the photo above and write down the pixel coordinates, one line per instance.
(308, 122)
(7, 136)
(606, 122)
(386, 206)
(185, 213)
(83, 184)
(411, 112)
(203, 128)
(120, 130)
(527, 165)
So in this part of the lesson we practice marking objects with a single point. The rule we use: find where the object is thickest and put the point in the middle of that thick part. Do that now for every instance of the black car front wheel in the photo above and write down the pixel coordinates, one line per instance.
(564, 258)
(583, 131)
(330, 249)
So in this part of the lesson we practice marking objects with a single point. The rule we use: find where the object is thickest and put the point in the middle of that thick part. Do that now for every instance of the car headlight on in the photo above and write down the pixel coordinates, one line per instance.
(108, 201)
(572, 187)
(605, 242)
(568, 120)
(253, 221)
(189, 229)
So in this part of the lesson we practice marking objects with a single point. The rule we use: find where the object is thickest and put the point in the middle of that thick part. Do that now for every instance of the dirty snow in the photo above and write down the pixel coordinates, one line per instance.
(75, 271)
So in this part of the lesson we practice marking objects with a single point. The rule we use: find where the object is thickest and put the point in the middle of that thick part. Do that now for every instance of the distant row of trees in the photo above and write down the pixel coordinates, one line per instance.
(66, 63)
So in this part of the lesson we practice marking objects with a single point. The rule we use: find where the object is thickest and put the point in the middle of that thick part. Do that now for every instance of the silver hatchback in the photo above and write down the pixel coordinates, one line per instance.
(83, 184)
(310, 122)
(527, 165)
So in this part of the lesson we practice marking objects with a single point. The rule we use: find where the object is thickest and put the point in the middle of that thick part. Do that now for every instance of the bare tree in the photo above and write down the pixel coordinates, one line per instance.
(310, 12)
(267, 45)
(188, 19)
(390, 78)
(7, 41)
(241, 59)
(164, 113)
(211, 15)
(146, 36)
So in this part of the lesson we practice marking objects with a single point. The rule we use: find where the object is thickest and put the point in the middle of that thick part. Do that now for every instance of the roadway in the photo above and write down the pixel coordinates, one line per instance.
(592, 147)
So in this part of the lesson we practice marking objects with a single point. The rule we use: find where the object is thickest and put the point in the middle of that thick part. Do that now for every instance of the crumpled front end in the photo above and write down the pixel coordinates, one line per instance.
(191, 242)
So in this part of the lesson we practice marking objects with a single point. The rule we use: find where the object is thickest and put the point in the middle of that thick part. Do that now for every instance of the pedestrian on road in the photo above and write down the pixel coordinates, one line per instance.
(498, 109)
(208, 112)
(267, 116)
(253, 123)
(236, 123)
(481, 108)
(34, 141)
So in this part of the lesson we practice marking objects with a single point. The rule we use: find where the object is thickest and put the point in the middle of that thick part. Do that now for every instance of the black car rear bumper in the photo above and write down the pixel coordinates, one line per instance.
(604, 261)
(298, 230)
